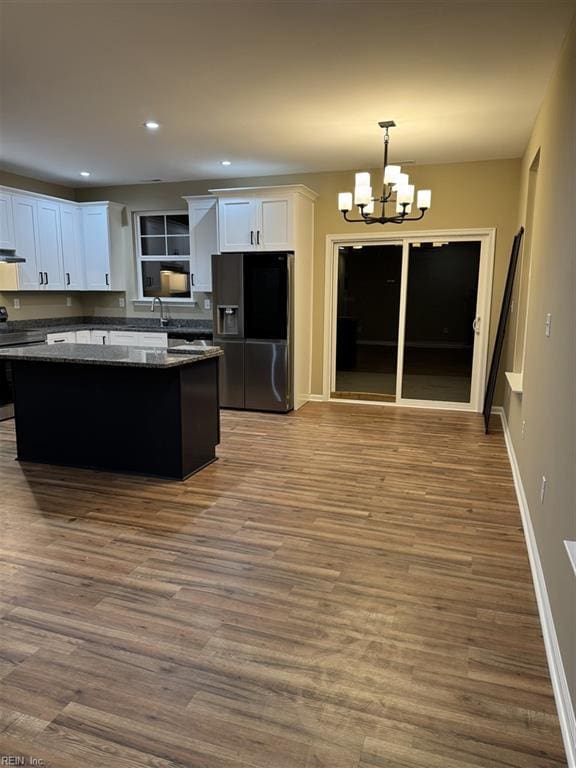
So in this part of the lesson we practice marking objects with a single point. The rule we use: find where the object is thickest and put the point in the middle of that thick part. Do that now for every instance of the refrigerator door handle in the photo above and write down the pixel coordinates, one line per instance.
(251, 237)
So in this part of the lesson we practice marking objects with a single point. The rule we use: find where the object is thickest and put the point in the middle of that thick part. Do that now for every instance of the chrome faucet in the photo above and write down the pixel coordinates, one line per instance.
(163, 320)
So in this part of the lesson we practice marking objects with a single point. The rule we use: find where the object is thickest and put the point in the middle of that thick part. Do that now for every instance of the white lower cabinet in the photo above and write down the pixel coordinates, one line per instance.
(67, 337)
(83, 337)
(152, 339)
(99, 337)
(138, 339)
(123, 338)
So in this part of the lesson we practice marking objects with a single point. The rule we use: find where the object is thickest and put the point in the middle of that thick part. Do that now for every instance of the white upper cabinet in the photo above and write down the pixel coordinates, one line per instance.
(253, 220)
(66, 246)
(72, 247)
(238, 226)
(97, 247)
(6, 221)
(50, 246)
(25, 214)
(274, 231)
(105, 246)
(203, 223)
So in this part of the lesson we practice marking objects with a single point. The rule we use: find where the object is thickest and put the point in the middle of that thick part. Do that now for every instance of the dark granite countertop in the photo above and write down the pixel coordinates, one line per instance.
(191, 327)
(96, 354)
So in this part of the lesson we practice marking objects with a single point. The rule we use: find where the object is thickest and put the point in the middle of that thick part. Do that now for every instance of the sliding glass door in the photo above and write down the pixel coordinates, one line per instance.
(407, 321)
(439, 336)
(368, 309)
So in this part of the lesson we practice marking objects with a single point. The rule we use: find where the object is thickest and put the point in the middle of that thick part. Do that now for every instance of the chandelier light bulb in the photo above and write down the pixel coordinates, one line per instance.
(391, 174)
(363, 179)
(405, 193)
(401, 181)
(424, 198)
(362, 195)
(345, 201)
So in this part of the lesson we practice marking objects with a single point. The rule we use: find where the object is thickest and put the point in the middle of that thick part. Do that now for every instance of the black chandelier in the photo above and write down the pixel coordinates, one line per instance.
(394, 183)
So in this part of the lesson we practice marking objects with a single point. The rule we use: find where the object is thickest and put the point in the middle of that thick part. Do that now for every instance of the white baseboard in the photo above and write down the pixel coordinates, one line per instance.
(316, 398)
(566, 713)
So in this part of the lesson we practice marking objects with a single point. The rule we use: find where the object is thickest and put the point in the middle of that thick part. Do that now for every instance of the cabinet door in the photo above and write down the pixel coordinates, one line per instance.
(67, 337)
(99, 337)
(152, 339)
(83, 337)
(50, 245)
(203, 242)
(26, 239)
(96, 247)
(237, 224)
(274, 232)
(6, 221)
(72, 247)
(123, 338)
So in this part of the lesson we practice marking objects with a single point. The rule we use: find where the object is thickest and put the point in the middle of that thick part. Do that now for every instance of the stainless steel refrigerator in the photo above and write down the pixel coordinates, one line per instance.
(252, 308)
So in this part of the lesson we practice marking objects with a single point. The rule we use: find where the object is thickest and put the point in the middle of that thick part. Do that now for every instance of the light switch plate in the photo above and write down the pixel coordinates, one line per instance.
(207, 304)
(16, 303)
(68, 301)
(122, 302)
(548, 327)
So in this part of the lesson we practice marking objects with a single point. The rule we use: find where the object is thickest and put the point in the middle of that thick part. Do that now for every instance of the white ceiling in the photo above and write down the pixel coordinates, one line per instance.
(277, 86)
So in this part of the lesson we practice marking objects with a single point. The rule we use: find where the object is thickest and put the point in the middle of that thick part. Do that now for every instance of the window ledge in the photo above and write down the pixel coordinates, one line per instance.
(515, 381)
(571, 549)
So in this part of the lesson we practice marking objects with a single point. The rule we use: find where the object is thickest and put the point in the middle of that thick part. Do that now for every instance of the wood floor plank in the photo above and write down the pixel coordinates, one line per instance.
(347, 587)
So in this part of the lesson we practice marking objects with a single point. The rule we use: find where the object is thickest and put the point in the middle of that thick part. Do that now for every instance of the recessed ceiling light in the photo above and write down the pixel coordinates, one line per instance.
(225, 162)
(84, 173)
(152, 125)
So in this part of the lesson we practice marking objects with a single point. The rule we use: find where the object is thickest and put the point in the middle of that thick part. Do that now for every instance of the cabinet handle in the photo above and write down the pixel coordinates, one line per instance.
(107, 279)
(41, 278)
(251, 237)
(258, 237)
(46, 277)
(67, 278)
(192, 278)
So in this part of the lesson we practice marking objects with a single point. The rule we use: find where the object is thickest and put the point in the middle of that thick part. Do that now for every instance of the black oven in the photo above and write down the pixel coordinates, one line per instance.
(13, 339)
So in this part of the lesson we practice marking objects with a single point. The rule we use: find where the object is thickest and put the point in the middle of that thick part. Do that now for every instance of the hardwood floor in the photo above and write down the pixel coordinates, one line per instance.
(347, 587)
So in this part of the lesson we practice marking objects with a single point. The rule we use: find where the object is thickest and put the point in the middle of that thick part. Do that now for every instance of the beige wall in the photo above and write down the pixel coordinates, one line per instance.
(548, 403)
(465, 195)
(35, 185)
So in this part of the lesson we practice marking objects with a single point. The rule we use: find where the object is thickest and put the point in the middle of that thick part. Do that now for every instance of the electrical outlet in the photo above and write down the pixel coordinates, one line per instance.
(548, 326)
(207, 304)
(122, 302)
(543, 489)
(68, 301)
(16, 303)
(523, 427)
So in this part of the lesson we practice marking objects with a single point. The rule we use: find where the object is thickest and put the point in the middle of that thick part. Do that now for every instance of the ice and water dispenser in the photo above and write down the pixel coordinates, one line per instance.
(228, 319)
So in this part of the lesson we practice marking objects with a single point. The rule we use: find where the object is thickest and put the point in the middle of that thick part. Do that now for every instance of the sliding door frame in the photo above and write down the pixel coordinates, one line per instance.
(486, 236)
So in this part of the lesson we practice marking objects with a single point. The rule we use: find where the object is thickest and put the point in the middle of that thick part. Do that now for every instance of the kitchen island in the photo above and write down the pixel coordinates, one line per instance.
(123, 409)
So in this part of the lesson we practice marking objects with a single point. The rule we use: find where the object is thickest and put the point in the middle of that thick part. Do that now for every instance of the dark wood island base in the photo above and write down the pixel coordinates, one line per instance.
(150, 420)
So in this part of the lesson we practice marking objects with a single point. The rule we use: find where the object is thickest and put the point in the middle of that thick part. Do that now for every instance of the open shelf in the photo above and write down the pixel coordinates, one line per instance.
(515, 381)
